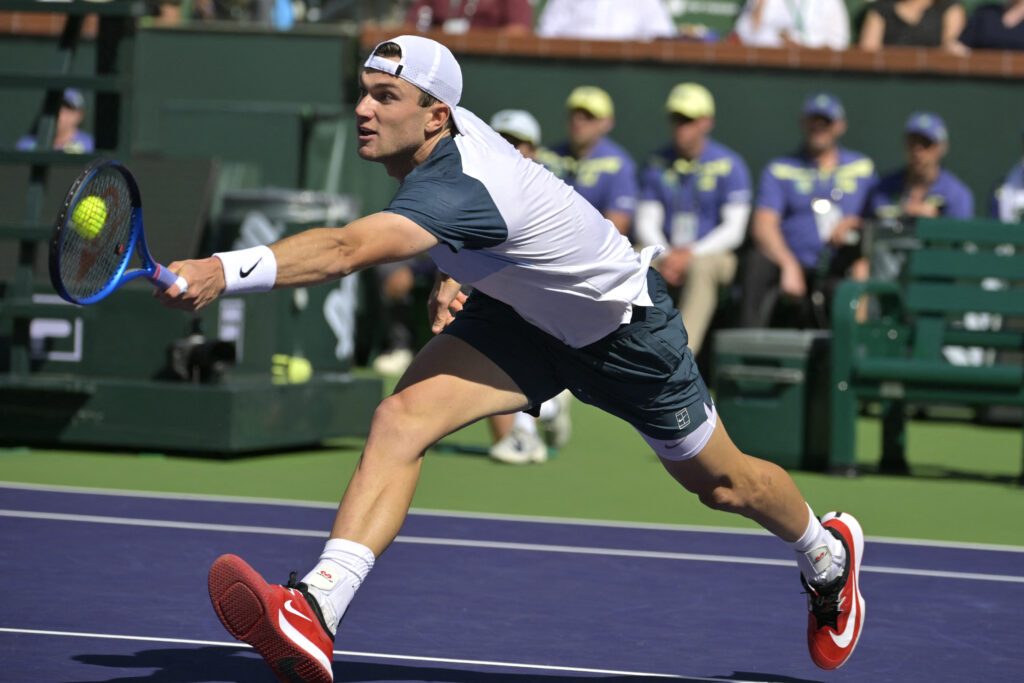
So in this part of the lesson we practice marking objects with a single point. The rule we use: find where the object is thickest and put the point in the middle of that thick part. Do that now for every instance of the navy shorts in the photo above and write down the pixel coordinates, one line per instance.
(643, 372)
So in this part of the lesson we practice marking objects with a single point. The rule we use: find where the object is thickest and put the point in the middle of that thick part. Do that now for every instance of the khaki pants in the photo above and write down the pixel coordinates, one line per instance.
(699, 297)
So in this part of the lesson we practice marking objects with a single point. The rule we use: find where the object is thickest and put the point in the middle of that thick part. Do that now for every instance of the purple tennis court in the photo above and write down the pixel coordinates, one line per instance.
(104, 586)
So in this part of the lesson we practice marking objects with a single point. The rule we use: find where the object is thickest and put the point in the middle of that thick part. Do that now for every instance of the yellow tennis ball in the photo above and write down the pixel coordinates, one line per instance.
(89, 216)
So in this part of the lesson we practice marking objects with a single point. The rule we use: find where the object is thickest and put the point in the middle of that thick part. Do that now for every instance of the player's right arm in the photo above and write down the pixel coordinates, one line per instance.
(309, 258)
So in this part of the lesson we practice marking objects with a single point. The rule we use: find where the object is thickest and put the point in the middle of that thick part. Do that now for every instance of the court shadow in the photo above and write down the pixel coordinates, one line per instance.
(183, 665)
(767, 678)
(241, 665)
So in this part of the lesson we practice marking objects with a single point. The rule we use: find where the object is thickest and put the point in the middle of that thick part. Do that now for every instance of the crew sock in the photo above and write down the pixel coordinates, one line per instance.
(819, 554)
(334, 580)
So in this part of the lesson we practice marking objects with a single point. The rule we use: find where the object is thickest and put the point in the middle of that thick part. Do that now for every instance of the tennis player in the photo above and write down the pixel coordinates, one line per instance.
(560, 300)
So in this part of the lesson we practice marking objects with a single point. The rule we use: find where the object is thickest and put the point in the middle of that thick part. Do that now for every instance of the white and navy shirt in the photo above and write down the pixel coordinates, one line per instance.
(511, 229)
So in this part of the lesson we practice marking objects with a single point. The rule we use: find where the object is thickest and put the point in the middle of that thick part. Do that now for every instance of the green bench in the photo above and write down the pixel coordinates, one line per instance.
(900, 354)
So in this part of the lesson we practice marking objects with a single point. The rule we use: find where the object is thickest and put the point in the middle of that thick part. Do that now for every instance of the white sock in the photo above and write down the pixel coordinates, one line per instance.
(337, 576)
(819, 554)
(525, 422)
(549, 409)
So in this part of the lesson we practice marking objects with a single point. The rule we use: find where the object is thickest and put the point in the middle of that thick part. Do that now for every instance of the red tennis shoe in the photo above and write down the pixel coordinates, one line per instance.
(837, 608)
(282, 623)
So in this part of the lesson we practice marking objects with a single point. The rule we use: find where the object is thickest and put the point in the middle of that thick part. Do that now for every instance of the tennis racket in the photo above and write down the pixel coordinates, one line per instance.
(98, 230)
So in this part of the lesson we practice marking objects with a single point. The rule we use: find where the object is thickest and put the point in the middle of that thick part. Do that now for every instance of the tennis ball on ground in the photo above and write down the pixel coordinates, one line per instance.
(89, 216)
(285, 369)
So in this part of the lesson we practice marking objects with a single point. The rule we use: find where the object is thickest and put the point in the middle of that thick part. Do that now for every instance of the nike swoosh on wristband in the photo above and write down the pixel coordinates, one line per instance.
(246, 273)
(303, 643)
(288, 606)
(844, 639)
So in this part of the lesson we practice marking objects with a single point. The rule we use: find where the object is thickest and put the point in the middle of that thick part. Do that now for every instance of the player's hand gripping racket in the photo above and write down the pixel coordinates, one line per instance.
(97, 231)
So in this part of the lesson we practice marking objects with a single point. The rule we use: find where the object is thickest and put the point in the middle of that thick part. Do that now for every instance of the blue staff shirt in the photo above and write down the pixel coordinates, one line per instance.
(789, 185)
(606, 177)
(694, 191)
(948, 194)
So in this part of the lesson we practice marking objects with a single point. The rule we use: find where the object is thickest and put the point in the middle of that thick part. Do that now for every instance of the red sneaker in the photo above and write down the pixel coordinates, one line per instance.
(280, 622)
(837, 608)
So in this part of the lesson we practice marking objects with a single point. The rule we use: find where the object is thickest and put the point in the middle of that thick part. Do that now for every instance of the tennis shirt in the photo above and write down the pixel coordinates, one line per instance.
(694, 191)
(606, 177)
(948, 194)
(789, 186)
(511, 229)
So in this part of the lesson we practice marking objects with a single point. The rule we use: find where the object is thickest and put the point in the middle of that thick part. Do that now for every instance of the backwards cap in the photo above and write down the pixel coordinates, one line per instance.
(425, 63)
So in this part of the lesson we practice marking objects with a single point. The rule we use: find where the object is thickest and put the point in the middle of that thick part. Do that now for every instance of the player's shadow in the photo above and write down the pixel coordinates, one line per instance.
(241, 665)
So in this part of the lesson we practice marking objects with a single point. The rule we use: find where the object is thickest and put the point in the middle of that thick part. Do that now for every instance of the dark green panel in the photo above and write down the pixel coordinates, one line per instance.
(250, 66)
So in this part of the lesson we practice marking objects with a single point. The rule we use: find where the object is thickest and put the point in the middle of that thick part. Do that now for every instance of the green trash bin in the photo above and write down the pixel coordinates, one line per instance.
(772, 390)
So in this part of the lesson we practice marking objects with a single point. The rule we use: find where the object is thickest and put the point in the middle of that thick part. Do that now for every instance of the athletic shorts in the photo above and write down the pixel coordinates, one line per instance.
(643, 372)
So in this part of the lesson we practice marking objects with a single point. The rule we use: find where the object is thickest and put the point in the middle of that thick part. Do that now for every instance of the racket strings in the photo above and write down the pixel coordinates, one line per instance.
(92, 255)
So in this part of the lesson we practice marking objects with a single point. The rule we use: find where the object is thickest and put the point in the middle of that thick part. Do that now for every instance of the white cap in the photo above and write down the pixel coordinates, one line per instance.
(425, 63)
(518, 123)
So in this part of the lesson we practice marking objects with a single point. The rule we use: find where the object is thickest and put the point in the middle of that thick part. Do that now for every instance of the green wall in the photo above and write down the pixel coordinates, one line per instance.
(758, 109)
(273, 99)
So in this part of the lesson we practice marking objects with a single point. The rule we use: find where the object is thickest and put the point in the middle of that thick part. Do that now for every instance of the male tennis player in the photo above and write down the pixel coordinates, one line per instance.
(560, 300)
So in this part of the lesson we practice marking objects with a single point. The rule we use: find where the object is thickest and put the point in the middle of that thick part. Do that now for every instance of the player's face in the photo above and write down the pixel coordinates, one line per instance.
(391, 123)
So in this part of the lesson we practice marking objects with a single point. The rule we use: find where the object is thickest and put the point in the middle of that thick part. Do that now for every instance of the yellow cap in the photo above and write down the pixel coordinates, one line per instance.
(591, 99)
(692, 100)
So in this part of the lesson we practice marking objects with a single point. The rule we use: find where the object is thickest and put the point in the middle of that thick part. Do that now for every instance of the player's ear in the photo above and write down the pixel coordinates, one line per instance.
(439, 116)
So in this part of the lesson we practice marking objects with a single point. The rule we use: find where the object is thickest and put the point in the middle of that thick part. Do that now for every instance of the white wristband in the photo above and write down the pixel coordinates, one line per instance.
(248, 270)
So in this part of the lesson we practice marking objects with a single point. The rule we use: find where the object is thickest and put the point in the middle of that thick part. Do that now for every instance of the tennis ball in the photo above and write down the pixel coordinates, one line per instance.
(285, 369)
(89, 216)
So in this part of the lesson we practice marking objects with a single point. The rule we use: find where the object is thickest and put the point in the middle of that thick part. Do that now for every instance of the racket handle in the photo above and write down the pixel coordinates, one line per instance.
(164, 278)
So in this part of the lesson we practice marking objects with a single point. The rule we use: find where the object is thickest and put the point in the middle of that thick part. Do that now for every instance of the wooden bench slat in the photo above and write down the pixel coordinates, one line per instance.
(940, 372)
(980, 231)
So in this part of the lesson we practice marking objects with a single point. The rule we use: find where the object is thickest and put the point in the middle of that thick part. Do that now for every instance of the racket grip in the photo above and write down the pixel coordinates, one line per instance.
(164, 278)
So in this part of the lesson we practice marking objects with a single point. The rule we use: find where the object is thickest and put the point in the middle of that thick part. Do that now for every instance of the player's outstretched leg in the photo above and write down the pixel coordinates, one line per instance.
(837, 607)
(280, 622)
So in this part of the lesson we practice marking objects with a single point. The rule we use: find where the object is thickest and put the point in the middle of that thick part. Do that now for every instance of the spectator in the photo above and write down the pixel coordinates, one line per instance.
(782, 23)
(598, 168)
(923, 23)
(520, 128)
(458, 16)
(68, 135)
(606, 20)
(1008, 203)
(694, 200)
(806, 208)
(922, 188)
(515, 437)
(995, 26)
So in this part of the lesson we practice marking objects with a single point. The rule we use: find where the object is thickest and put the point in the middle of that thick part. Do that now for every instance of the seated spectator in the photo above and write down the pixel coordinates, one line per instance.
(606, 20)
(521, 130)
(996, 26)
(1008, 202)
(68, 136)
(921, 23)
(599, 169)
(809, 205)
(511, 16)
(782, 23)
(922, 188)
(695, 200)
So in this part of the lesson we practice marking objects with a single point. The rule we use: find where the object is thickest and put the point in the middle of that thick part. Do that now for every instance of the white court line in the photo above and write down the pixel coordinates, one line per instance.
(498, 545)
(368, 655)
(539, 519)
